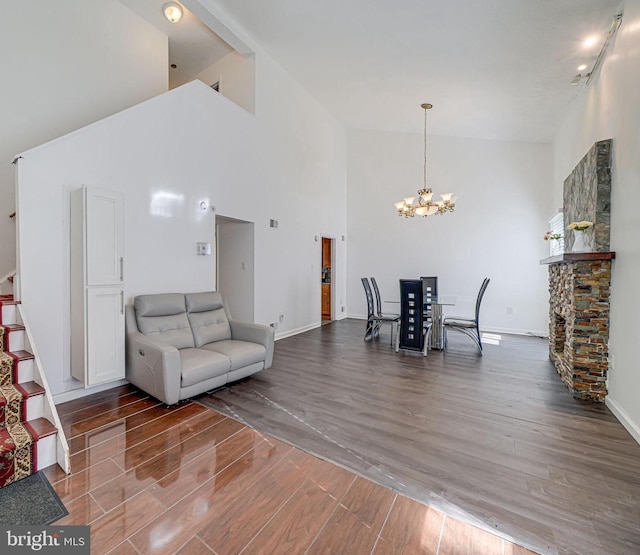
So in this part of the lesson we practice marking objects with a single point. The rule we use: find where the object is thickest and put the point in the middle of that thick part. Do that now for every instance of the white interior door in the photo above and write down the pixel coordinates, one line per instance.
(235, 266)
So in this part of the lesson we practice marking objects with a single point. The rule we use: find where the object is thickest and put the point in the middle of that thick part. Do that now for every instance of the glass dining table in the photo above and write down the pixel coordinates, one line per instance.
(437, 317)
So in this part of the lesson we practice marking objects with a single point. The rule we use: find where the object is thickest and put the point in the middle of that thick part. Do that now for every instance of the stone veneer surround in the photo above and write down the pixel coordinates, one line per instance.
(587, 196)
(579, 287)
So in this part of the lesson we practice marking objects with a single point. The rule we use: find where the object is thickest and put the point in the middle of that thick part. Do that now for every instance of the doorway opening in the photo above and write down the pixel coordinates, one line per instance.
(235, 266)
(327, 279)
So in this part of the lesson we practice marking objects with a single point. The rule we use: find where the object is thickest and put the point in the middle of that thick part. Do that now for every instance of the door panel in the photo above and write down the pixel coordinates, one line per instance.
(105, 242)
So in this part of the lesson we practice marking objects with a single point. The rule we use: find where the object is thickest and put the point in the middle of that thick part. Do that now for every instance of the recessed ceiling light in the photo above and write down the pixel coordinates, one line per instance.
(582, 67)
(172, 11)
(590, 41)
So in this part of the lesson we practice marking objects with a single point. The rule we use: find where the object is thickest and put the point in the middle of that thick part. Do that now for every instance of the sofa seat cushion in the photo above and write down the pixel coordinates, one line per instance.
(199, 365)
(241, 353)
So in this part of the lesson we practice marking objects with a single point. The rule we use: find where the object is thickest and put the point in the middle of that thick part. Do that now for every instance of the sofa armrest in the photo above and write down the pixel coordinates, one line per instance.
(255, 333)
(154, 367)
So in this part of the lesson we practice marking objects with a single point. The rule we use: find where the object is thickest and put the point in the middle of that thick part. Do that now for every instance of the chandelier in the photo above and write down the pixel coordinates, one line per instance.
(423, 205)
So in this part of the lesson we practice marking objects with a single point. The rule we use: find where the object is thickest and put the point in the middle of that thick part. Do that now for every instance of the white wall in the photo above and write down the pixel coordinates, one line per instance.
(496, 230)
(68, 63)
(172, 152)
(235, 75)
(608, 108)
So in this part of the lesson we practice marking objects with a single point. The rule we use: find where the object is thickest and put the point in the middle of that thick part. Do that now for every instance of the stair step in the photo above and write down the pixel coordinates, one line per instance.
(31, 397)
(21, 355)
(7, 311)
(31, 389)
(44, 434)
(13, 337)
(41, 427)
(43, 438)
(23, 366)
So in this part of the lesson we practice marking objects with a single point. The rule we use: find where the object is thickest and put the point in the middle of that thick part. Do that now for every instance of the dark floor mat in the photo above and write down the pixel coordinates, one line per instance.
(30, 502)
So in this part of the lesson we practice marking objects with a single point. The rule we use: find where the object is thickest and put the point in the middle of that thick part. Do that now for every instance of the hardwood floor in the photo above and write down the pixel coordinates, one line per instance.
(496, 441)
(187, 480)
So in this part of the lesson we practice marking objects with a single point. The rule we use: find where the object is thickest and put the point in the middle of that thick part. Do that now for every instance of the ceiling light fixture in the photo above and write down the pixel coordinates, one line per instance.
(424, 206)
(577, 79)
(172, 11)
(613, 29)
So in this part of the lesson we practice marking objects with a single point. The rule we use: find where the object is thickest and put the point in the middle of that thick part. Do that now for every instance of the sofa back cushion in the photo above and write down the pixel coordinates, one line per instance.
(164, 317)
(208, 318)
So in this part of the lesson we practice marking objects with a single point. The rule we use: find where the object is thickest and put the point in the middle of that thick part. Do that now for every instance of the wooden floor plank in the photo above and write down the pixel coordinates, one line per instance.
(355, 525)
(191, 475)
(458, 537)
(410, 528)
(282, 507)
(209, 502)
(143, 471)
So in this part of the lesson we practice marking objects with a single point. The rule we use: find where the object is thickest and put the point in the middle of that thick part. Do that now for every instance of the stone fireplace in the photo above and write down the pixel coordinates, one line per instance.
(579, 283)
(579, 287)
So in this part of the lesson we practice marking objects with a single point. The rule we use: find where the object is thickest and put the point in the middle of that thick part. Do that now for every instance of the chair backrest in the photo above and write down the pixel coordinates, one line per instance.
(164, 316)
(376, 293)
(429, 290)
(411, 313)
(483, 288)
(367, 291)
(207, 317)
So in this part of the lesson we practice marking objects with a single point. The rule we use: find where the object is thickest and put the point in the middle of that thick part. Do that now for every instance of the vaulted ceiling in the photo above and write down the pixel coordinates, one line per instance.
(494, 69)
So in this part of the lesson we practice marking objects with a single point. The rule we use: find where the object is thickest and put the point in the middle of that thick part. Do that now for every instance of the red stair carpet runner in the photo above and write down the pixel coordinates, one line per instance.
(17, 445)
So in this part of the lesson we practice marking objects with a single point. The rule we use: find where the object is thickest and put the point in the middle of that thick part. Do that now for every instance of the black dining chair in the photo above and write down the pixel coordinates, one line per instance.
(468, 326)
(415, 332)
(376, 293)
(429, 294)
(374, 319)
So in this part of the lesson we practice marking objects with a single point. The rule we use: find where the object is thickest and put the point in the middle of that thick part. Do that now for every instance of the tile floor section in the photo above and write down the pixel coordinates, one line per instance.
(187, 480)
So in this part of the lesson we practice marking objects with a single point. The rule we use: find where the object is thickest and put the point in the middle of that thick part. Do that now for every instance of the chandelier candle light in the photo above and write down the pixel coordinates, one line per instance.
(423, 205)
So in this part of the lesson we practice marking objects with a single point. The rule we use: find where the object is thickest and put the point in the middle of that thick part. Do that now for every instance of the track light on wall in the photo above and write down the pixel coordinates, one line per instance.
(172, 11)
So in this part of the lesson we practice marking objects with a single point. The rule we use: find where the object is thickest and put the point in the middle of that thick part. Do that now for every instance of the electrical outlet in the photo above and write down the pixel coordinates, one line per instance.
(612, 361)
(342, 309)
(510, 310)
(281, 317)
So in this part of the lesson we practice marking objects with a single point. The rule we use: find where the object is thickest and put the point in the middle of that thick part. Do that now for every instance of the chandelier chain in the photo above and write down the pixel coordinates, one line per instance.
(425, 149)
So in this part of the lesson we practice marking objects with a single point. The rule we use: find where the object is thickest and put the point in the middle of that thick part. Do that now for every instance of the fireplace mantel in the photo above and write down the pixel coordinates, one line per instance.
(574, 256)
(579, 289)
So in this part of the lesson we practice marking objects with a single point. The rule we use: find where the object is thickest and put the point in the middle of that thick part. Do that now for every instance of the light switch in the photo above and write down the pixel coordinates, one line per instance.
(203, 249)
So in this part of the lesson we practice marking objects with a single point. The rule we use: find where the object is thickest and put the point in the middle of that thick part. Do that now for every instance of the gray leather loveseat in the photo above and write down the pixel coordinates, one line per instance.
(181, 345)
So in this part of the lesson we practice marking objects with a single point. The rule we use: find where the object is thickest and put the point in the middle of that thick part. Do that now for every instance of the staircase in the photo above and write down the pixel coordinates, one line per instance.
(30, 432)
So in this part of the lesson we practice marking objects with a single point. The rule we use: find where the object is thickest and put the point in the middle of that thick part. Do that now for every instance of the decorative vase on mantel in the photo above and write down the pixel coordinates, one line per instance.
(580, 242)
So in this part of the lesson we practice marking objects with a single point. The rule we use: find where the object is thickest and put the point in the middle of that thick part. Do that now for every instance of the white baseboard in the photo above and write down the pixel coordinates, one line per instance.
(357, 316)
(512, 331)
(83, 392)
(289, 333)
(623, 417)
